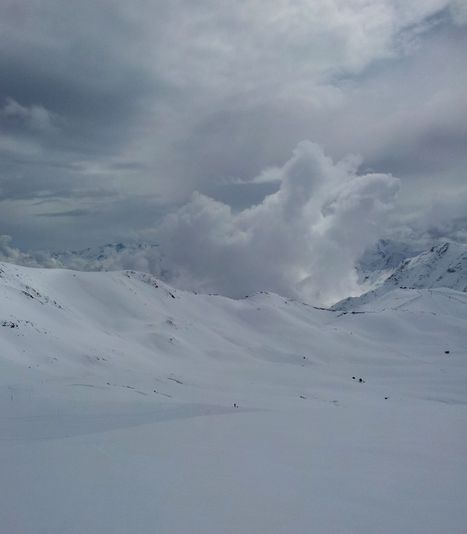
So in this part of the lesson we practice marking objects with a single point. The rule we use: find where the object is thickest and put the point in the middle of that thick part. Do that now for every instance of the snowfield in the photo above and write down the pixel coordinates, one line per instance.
(129, 407)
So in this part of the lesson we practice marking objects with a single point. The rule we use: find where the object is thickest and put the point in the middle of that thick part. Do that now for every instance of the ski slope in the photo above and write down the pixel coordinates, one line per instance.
(130, 407)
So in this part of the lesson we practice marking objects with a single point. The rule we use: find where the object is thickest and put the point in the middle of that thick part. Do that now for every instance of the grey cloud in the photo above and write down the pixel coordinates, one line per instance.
(29, 180)
(66, 213)
(241, 195)
(34, 117)
(441, 218)
(458, 10)
(12, 254)
(119, 111)
(106, 219)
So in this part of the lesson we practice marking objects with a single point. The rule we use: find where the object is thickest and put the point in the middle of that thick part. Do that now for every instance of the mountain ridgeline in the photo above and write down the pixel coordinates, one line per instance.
(442, 266)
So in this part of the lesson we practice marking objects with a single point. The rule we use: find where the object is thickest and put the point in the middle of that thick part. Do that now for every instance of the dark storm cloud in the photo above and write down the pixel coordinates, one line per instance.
(73, 59)
(68, 96)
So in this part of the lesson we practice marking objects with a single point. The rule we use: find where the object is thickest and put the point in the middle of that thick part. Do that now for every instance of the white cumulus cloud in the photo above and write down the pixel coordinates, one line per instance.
(302, 240)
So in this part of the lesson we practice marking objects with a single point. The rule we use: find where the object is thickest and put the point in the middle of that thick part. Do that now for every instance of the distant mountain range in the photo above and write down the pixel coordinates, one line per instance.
(387, 265)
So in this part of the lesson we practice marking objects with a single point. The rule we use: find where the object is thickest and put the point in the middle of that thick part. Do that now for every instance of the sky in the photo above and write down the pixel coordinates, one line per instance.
(277, 137)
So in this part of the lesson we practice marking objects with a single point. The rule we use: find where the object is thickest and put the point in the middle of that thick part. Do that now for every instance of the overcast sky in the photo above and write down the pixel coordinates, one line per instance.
(113, 113)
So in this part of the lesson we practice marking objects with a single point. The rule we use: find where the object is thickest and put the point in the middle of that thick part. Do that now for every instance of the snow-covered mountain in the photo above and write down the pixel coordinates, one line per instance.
(129, 406)
(380, 261)
(443, 265)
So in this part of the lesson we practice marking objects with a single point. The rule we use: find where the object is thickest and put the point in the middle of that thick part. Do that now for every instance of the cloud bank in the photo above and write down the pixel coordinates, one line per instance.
(11, 254)
(302, 240)
(112, 113)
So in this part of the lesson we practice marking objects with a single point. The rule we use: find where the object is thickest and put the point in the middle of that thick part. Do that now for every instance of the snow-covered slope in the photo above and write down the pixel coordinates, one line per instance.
(380, 260)
(444, 265)
(127, 406)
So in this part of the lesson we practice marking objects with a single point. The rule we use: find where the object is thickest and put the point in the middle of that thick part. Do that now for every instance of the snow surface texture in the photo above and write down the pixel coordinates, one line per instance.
(129, 407)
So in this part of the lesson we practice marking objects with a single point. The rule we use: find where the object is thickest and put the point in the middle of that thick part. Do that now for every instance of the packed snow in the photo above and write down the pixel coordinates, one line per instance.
(128, 406)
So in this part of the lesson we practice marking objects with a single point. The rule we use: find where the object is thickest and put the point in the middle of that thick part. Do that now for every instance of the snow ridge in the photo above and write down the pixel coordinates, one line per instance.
(443, 265)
